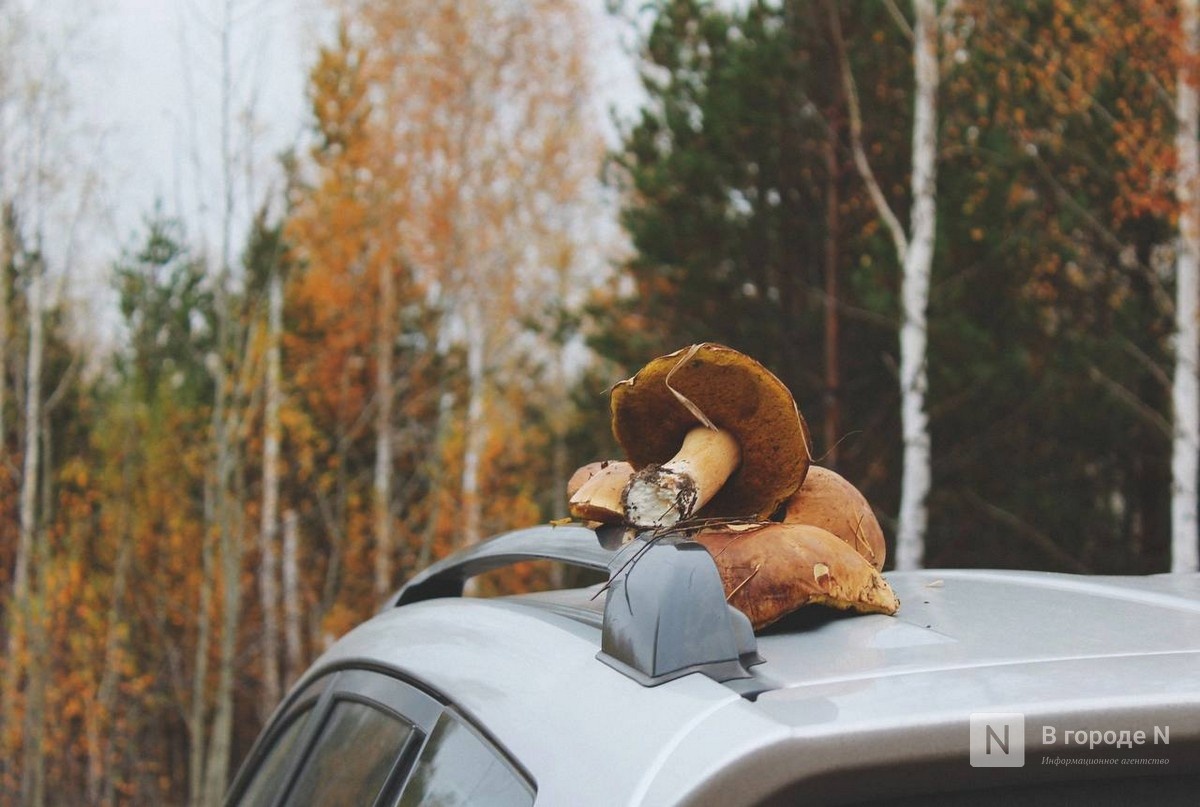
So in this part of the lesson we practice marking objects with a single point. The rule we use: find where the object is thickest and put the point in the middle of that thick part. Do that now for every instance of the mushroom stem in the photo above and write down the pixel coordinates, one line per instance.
(598, 498)
(663, 495)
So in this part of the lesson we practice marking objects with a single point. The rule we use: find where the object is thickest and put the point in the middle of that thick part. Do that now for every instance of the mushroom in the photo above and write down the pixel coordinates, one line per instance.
(707, 428)
(772, 569)
(583, 473)
(828, 500)
(594, 491)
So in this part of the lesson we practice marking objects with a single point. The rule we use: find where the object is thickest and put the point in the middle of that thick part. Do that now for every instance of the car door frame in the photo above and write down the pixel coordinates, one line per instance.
(381, 689)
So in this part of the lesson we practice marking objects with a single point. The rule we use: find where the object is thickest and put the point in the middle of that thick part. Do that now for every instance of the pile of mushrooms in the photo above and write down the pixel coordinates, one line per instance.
(716, 446)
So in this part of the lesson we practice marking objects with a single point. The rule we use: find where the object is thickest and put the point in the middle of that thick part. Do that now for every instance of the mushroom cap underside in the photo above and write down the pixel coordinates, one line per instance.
(737, 394)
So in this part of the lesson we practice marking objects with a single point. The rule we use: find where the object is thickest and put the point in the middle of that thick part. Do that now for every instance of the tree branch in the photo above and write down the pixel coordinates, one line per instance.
(1135, 404)
(1029, 532)
(890, 220)
(1107, 237)
(1147, 362)
(899, 18)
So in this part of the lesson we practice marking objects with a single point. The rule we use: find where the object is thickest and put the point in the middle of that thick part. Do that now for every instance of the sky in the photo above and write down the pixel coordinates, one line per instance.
(144, 110)
(135, 123)
(157, 96)
(156, 87)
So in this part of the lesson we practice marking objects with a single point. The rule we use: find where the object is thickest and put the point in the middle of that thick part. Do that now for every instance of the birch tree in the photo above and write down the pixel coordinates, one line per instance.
(291, 597)
(385, 347)
(1185, 449)
(4, 238)
(46, 187)
(345, 232)
(499, 159)
(225, 42)
(32, 441)
(914, 250)
(269, 527)
(10, 27)
(22, 613)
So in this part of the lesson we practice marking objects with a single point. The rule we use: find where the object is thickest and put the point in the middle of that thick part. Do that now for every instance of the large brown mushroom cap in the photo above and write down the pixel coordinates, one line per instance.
(827, 500)
(772, 570)
(736, 394)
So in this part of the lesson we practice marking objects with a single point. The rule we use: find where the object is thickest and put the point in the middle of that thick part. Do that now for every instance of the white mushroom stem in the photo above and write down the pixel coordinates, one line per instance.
(662, 495)
(598, 498)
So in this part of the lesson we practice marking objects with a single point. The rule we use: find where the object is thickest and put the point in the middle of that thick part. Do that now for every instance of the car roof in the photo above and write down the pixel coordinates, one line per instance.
(834, 692)
(961, 623)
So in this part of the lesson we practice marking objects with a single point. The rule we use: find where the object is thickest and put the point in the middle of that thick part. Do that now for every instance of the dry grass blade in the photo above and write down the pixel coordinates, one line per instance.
(738, 587)
(686, 528)
(860, 538)
(683, 399)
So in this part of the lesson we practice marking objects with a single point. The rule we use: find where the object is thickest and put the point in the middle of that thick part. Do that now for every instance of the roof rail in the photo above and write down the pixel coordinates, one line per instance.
(572, 544)
(665, 615)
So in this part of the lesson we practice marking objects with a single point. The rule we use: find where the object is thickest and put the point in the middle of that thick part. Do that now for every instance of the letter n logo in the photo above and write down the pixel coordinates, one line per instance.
(998, 740)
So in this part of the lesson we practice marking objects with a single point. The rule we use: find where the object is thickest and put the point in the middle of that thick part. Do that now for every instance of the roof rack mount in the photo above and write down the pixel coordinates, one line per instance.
(665, 615)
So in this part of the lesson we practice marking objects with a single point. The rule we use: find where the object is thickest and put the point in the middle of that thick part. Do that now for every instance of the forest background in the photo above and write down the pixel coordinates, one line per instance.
(400, 341)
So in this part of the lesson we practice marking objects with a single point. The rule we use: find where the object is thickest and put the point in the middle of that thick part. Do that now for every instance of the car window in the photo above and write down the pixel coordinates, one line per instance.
(271, 773)
(458, 768)
(353, 756)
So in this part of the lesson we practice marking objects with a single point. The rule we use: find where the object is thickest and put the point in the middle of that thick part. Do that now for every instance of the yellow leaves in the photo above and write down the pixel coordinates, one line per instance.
(75, 472)
(339, 620)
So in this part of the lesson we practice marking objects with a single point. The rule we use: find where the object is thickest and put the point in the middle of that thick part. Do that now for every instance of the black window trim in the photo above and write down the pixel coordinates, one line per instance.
(518, 771)
(414, 740)
(304, 700)
(404, 698)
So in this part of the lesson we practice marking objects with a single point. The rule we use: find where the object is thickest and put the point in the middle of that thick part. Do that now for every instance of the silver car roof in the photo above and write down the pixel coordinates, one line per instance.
(836, 694)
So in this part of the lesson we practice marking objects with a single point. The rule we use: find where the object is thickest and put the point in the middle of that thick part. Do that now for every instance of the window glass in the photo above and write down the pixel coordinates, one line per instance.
(269, 777)
(356, 751)
(457, 769)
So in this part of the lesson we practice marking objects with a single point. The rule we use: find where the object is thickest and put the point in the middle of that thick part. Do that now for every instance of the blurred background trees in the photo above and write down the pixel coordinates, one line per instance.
(410, 346)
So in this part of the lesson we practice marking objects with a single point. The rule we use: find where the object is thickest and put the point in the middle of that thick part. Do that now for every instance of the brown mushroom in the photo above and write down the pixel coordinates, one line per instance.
(583, 473)
(708, 428)
(597, 491)
(771, 570)
(827, 500)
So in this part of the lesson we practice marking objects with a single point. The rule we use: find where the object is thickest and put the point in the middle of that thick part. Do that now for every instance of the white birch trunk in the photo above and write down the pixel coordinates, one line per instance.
(292, 614)
(269, 530)
(220, 746)
(385, 345)
(918, 261)
(227, 458)
(436, 472)
(3, 319)
(1185, 448)
(5, 246)
(915, 252)
(476, 436)
(33, 421)
(197, 711)
(21, 614)
(8, 693)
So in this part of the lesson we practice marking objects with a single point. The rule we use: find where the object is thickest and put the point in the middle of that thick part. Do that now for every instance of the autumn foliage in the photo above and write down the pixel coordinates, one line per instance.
(457, 301)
